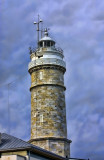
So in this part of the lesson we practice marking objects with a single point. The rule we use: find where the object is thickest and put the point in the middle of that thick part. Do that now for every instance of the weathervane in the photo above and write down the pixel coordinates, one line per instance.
(38, 29)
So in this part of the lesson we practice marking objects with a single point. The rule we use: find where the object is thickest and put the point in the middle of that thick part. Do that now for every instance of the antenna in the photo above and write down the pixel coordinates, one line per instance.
(8, 110)
(38, 29)
(42, 30)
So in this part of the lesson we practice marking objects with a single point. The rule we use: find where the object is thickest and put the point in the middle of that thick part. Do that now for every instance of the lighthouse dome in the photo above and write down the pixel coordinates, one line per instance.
(46, 41)
(46, 38)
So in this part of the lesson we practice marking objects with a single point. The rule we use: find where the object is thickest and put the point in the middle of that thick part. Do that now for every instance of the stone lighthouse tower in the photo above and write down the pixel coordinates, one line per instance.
(48, 111)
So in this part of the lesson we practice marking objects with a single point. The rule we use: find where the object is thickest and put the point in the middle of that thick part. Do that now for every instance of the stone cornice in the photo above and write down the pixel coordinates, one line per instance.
(50, 138)
(48, 66)
(47, 84)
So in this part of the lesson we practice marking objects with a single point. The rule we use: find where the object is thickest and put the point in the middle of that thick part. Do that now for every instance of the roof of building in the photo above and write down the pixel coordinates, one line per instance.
(11, 143)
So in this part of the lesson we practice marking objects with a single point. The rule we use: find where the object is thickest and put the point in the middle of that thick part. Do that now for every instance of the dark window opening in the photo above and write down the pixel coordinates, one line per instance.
(45, 43)
(52, 43)
(48, 43)
(40, 44)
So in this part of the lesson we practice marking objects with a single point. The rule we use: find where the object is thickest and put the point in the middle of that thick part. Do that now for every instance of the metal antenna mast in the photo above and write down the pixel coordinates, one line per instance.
(42, 30)
(8, 110)
(38, 29)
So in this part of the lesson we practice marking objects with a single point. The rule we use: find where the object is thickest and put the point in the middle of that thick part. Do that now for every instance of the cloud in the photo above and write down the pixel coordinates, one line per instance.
(77, 27)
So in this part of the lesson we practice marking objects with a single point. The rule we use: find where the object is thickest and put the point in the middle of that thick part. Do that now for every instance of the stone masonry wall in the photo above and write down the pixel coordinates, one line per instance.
(48, 117)
(59, 147)
(47, 76)
(48, 112)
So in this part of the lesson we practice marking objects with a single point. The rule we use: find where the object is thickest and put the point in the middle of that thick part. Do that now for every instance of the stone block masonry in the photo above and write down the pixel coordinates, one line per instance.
(48, 111)
(59, 146)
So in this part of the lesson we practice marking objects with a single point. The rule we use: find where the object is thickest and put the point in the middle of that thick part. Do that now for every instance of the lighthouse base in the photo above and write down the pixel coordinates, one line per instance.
(59, 146)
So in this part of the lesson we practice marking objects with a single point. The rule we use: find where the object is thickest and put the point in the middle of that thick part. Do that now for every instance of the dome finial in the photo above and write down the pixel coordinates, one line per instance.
(46, 32)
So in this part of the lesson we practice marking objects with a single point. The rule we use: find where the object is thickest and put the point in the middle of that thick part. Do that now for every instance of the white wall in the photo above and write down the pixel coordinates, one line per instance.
(12, 157)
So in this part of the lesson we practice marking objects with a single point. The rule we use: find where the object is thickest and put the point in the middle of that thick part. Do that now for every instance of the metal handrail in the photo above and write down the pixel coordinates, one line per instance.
(59, 49)
(34, 50)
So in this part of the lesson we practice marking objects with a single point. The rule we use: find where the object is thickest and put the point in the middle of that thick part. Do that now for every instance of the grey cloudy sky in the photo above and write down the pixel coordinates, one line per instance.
(78, 28)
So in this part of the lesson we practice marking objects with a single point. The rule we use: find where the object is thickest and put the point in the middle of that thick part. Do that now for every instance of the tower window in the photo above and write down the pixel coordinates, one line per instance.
(41, 118)
(41, 75)
(35, 114)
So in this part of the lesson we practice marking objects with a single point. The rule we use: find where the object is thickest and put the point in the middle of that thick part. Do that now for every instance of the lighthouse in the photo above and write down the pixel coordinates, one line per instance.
(48, 110)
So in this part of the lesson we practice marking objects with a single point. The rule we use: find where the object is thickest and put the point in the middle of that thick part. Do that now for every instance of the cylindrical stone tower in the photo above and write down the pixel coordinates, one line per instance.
(48, 111)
